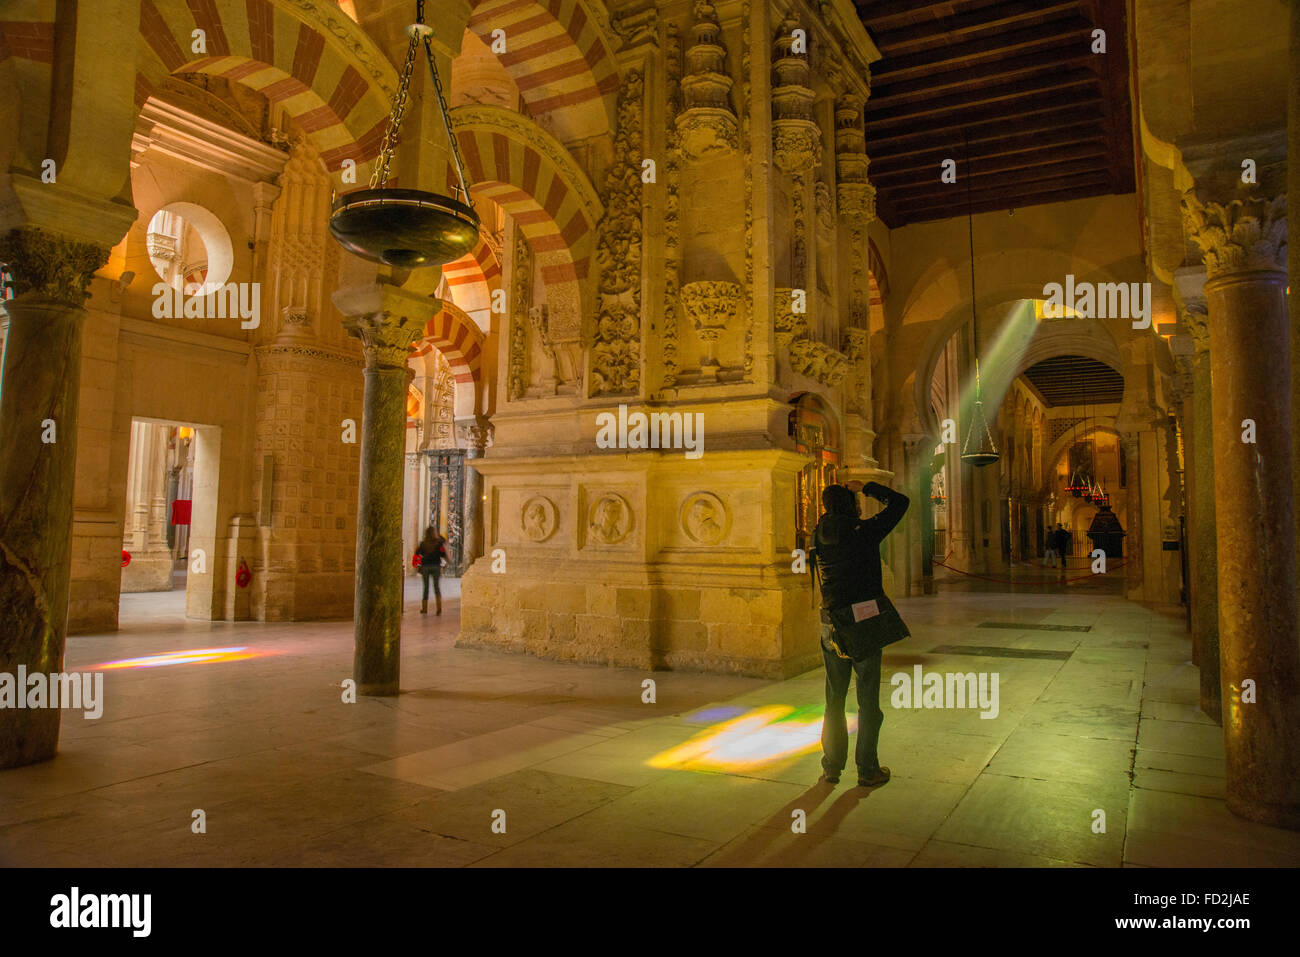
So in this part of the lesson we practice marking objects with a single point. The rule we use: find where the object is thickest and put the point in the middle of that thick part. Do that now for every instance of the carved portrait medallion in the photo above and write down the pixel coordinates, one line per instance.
(705, 519)
(609, 519)
(537, 518)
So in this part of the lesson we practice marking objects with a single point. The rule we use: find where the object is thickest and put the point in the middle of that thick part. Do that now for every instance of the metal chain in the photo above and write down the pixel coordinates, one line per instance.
(380, 175)
(446, 122)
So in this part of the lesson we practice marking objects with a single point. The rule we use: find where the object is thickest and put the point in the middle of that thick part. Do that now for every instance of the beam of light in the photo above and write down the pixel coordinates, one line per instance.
(759, 737)
(195, 656)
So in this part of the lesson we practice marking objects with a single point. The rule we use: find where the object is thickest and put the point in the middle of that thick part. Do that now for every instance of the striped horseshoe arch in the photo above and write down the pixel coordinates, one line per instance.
(557, 56)
(454, 334)
(525, 170)
(312, 59)
(471, 280)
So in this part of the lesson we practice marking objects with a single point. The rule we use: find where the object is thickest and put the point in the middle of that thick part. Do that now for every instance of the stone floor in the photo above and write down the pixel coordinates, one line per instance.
(584, 772)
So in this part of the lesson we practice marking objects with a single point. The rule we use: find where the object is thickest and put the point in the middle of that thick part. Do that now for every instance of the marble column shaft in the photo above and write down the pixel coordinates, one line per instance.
(40, 384)
(1243, 242)
(475, 436)
(1202, 537)
(42, 372)
(386, 337)
(1133, 515)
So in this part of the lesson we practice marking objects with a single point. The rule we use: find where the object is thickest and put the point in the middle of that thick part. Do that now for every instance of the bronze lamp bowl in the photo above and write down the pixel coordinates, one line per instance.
(405, 228)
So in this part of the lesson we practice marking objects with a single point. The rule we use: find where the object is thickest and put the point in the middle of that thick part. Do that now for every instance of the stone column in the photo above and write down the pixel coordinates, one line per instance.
(1293, 250)
(1244, 243)
(1201, 533)
(38, 433)
(1133, 515)
(387, 319)
(476, 435)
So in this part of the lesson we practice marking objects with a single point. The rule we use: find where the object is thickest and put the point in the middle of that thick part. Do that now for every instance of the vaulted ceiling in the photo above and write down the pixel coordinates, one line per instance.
(1010, 90)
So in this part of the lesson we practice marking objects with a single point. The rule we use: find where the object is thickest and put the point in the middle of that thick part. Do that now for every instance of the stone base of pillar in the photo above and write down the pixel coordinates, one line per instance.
(651, 562)
(150, 570)
(741, 625)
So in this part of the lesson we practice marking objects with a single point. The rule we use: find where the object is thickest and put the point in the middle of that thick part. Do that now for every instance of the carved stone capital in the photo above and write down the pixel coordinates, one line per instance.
(476, 435)
(1196, 317)
(1243, 235)
(854, 344)
(796, 145)
(46, 266)
(386, 339)
(708, 131)
(711, 305)
(857, 202)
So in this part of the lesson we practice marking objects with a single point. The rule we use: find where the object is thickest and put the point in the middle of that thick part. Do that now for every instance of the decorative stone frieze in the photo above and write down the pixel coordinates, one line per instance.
(616, 342)
(816, 360)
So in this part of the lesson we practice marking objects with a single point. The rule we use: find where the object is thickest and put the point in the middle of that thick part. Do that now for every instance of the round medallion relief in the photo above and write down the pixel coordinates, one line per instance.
(705, 519)
(537, 518)
(609, 519)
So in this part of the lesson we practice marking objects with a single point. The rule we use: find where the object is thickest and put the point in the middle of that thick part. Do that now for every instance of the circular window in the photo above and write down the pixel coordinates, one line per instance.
(189, 248)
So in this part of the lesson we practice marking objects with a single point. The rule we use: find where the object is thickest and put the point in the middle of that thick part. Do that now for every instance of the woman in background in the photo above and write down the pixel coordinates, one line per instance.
(432, 552)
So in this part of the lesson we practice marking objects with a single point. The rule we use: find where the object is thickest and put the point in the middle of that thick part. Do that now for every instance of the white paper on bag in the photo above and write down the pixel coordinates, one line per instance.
(865, 609)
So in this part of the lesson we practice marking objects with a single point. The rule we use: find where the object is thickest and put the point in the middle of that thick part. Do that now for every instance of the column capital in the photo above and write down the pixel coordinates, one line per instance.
(1242, 235)
(387, 319)
(47, 266)
(477, 434)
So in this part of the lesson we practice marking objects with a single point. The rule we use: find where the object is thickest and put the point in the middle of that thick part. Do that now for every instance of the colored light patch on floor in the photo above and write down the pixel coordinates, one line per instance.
(759, 737)
(195, 656)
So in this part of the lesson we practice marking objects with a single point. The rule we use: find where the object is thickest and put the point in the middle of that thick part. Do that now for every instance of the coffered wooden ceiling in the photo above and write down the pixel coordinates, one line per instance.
(1047, 119)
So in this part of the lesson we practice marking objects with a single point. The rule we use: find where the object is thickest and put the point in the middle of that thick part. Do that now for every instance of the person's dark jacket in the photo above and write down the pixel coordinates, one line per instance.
(431, 558)
(848, 549)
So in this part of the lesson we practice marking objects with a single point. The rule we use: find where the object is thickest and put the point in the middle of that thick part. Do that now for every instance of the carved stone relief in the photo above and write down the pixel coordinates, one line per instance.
(705, 518)
(609, 520)
(537, 518)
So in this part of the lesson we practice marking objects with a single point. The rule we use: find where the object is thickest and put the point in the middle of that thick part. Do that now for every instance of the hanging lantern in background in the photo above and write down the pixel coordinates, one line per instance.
(406, 228)
(978, 449)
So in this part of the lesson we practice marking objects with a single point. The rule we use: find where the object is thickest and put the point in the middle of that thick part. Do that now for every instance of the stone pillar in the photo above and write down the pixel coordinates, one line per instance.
(1293, 250)
(1133, 515)
(476, 435)
(1201, 533)
(38, 433)
(1243, 242)
(387, 319)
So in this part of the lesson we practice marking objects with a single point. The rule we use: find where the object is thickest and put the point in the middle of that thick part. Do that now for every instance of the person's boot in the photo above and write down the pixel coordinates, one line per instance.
(879, 777)
(424, 606)
(438, 605)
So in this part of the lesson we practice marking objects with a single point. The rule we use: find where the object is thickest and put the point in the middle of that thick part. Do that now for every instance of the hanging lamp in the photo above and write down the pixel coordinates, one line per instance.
(978, 448)
(407, 228)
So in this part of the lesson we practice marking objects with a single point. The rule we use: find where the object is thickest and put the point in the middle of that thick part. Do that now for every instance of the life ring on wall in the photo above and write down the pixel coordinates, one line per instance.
(126, 558)
(243, 576)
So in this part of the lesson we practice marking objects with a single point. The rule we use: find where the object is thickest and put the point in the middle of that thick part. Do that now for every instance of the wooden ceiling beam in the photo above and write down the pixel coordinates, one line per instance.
(992, 143)
(1006, 95)
(1034, 64)
(1004, 180)
(1042, 118)
(889, 14)
(944, 208)
(959, 56)
(970, 25)
(896, 180)
(1081, 134)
